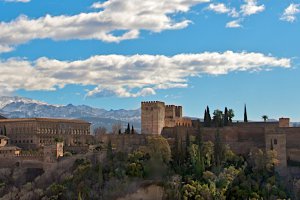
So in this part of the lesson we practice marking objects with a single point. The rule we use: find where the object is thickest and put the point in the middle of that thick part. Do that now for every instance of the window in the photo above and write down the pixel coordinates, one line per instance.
(275, 141)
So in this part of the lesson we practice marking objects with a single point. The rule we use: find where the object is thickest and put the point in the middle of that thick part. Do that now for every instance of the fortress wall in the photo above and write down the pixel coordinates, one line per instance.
(256, 124)
(293, 154)
(292, 136)
(124, 142)
(240, 140)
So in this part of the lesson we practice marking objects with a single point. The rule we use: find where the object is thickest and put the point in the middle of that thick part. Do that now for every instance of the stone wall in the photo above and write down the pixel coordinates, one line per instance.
(124, 142)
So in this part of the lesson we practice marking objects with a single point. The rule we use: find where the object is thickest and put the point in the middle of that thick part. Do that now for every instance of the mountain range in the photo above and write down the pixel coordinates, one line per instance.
(21, 107)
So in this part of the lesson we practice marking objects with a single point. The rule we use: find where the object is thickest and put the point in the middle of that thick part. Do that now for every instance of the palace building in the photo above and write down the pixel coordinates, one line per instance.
(33, 133)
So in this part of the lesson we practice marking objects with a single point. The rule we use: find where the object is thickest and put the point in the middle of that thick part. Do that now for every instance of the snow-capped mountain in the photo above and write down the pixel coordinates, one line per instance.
(19, 107)
(5, 100)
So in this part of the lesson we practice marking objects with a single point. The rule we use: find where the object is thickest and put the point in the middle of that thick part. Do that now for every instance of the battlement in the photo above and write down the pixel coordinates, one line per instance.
(152, 102)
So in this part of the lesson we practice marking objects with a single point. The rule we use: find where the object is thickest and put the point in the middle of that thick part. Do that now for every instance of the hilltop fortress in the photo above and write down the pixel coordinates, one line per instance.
(166, 120)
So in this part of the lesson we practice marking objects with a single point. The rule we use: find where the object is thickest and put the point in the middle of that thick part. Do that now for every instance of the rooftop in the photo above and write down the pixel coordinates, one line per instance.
(56, 120)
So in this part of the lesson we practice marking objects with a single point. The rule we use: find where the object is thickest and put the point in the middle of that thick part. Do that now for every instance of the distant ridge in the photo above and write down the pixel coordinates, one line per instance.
(19, 107)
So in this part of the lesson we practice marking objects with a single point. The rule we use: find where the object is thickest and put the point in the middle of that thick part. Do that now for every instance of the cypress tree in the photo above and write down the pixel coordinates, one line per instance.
(205, 118)
(218, 149)
(226, 119)
(120, 132)
(132, 130)
(208, 117)
(128, 129)
(245, 114)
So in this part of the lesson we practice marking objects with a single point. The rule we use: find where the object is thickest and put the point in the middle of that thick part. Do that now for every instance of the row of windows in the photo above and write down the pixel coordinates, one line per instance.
(55, 131)
(22, 141)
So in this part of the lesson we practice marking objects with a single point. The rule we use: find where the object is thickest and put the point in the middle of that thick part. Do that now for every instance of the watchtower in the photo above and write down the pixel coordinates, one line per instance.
(284, 122)
(152, 117)
(277, 142)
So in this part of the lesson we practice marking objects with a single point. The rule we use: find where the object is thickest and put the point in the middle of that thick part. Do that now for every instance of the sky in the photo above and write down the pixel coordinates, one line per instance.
(114, 54)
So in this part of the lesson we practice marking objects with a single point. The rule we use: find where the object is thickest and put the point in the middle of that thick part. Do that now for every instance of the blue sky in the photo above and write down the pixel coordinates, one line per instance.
(193, 53)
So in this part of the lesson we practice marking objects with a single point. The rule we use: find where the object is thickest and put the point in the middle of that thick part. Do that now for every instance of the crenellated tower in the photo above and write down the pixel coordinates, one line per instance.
(152, 117)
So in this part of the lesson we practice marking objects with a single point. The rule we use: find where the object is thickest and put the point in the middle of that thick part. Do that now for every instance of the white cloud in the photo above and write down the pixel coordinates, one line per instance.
(234, 24)
(21, 1)
(290, 12)
(218, 8)
(250, 8)
(128, 17)
(5, 48)
(221, 8)
(128, 76)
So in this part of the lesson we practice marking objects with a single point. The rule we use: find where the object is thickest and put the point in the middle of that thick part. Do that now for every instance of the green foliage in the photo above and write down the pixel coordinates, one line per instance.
(136, 164)
(219, 150)
(218, 118)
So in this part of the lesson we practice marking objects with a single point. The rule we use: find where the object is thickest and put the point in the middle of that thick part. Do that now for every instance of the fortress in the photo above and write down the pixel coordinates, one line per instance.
(166, 120)
(156, 115)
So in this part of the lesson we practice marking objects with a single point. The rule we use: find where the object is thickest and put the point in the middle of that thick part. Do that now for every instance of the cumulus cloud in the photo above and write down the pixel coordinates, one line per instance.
(234, 24)
(127, 17)
(128, 76)
(251, 7)
(290, 13)
(218, 8)
(221, 8)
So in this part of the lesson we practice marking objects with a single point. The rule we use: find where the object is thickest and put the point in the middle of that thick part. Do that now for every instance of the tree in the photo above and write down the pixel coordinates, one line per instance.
(218, 118)
(230, 115)
(208, 117)
(120, 132)
(245, 114)
(226, 118)
(219, 149)
(265, 118)
(127, 131)
(132, 130)
(205, 119)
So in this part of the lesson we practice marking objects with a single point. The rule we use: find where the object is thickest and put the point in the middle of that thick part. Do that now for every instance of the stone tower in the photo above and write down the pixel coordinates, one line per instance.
(277, 142)
(152, 117)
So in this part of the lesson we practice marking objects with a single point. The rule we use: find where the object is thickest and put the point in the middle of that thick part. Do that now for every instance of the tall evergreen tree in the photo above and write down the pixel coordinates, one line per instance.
(226, 118)
(120, 132)
(245, 114)
(128, 129)
(219, 149)
(205, 118)
(132, 130)
(208, 117)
